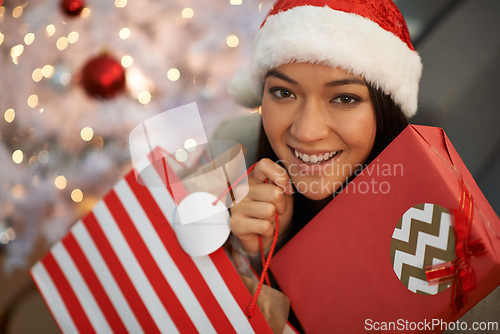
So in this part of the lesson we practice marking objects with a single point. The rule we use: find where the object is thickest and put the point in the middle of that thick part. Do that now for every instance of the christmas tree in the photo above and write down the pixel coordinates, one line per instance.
(77, 76)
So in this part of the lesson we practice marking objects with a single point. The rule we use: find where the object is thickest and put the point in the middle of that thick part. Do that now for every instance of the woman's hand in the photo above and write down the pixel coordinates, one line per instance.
(270, 191)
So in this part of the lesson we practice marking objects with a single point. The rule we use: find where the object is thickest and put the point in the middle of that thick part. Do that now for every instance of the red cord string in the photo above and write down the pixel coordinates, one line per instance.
(253, 302)
(265, 262)
(263, 259)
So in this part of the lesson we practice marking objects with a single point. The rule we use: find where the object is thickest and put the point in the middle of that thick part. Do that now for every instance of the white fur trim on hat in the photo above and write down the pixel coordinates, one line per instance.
(321, 35)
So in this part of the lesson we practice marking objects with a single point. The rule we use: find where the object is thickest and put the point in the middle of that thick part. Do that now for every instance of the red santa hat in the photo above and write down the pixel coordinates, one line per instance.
(366, 38)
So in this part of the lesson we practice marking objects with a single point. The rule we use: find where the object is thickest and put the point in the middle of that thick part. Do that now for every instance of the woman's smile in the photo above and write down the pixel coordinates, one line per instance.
(314, 158)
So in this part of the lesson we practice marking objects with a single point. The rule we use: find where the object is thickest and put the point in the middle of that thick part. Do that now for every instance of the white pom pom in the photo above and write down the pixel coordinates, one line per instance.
(241, 88)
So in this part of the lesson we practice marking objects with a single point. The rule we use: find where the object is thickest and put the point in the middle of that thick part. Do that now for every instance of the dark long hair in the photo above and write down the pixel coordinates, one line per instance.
(389, 119)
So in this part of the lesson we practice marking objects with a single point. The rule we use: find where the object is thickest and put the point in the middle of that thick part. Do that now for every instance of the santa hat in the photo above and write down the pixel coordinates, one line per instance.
(366, 38)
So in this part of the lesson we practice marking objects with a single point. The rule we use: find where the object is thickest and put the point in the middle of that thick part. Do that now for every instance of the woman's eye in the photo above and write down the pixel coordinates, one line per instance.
(345, 99)
(281, 93)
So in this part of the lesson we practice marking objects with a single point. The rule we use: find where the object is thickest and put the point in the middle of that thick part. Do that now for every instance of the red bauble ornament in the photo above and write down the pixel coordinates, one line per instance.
(103, 76)
(72, 7)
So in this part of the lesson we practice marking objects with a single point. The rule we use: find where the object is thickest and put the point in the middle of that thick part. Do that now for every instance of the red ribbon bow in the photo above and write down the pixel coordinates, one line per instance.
(459, 270)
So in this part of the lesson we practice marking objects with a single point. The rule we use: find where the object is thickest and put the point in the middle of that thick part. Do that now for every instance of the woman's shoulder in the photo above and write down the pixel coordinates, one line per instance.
(243, 129)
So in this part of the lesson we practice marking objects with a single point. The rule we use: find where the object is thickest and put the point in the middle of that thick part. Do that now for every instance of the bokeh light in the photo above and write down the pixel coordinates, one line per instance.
(87, 133)
(60, 182)
(232, 41)
(77, 195)
(187, 13)
(9, 115)
(33, 101)
(18, 156)
(29, 38)
(173, 74)
(50, 30)
(124, 33)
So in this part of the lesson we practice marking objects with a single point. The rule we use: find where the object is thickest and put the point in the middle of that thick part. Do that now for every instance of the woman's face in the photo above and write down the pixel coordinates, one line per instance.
(320, 122)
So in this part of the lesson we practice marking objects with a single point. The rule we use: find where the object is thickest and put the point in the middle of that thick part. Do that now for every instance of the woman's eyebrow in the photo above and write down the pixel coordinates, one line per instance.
(341, 82)
(346, 81)
(279, 75)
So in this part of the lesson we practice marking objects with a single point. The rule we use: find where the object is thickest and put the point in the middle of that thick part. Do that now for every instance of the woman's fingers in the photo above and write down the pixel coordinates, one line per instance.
(248, 231)
(244, 226)
(271, 194)
(258, 210)
(268, 193)
(268, 171)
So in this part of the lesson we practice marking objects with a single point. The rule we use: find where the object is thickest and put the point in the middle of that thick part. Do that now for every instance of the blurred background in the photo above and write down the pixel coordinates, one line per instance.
(77, 76)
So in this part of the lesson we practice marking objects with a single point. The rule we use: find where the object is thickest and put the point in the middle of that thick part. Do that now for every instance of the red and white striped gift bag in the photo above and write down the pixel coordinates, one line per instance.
(121, 269)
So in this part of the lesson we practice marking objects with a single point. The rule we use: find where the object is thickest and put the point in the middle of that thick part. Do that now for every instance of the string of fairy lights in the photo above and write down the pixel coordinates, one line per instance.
(61, 37)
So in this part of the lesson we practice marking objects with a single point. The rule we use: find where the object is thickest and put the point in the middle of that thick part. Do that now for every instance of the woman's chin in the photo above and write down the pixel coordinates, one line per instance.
(313, 194)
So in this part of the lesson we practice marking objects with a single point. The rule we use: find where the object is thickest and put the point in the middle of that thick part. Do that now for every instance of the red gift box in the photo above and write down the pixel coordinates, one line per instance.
(342, 271)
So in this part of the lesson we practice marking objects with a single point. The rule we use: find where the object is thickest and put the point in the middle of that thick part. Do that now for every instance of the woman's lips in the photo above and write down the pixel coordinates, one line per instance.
(315, 164)
(315, 158)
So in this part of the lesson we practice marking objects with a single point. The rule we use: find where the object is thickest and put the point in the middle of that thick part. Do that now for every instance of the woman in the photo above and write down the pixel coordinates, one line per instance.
(335, 80)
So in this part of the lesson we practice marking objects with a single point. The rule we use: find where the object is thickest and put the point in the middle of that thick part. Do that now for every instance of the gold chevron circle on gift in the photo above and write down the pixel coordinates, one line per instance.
(423, 236)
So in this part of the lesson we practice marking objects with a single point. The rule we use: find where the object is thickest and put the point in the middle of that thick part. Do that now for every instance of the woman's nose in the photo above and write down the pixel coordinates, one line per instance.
(310, 124)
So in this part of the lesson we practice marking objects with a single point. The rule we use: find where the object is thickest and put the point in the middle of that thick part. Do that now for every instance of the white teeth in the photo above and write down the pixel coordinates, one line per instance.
(314, 158)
